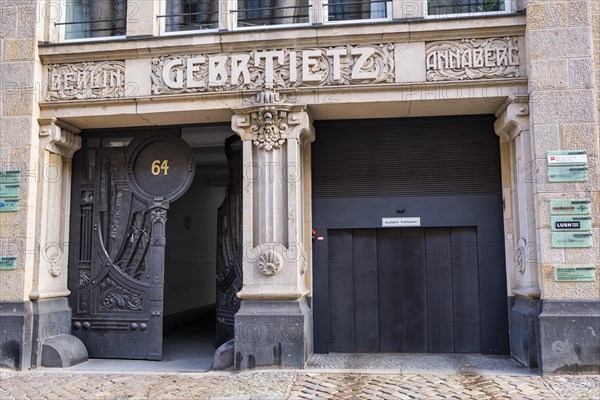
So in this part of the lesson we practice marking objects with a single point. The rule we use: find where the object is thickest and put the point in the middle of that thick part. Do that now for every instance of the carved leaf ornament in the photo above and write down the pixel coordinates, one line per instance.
(118, 298)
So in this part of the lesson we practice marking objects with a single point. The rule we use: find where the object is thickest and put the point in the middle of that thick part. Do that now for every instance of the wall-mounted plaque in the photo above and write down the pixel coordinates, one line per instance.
(571, 239)
(10, 176)
(9, 204)
(8, 263)
(583, 273)
(569, 206)
(9, 190)
(567, 157)
(400, 222)
(572, 223)
(570, 173)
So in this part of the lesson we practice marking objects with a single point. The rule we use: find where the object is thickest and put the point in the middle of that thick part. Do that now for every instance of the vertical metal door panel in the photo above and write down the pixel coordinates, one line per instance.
(366, 316)
(111, 297)
(465, 281)
(404, 290)
(439, 290)
(414, 289)
(341, 291)
(391, 309)
(229, 245)
(116, 266)
(492, 278)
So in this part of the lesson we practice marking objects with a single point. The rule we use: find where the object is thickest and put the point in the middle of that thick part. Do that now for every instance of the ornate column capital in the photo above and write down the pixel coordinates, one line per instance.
(270, 121)
(513, 118)
(59, 137)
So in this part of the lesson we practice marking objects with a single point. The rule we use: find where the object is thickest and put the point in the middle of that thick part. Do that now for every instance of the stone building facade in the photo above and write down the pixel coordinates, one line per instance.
(125, 84)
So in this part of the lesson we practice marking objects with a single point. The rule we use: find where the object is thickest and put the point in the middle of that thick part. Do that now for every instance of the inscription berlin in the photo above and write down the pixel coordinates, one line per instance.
(87, 80)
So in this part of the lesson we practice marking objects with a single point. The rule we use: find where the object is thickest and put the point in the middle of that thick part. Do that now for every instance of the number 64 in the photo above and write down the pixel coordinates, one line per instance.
(158, 165)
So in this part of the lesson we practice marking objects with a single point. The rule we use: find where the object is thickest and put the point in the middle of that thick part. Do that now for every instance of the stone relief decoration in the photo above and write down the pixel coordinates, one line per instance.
(269, 127)
(283, 68)
(86, 80)
(117, 298)
(270, 263)
(472, 59)
(52, 254)
(520, 256)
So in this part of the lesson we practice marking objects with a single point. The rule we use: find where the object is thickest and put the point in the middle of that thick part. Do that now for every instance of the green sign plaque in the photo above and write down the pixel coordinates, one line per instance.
(9, 190)
(10, 176)
(9, 204)
(569, 206)
(8, 263)
(584, 273)
(571, 239)
(574, 173)
(571, 223)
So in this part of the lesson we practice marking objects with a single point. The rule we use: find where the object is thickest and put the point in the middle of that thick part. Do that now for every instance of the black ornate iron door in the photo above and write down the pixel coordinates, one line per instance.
(120, 202)
(229, 245)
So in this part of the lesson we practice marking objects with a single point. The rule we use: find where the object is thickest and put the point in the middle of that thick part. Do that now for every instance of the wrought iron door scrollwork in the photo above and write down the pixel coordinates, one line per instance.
(132, 252)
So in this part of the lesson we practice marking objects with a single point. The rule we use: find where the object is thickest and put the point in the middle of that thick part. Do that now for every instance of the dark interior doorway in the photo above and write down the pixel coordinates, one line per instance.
(192, 250)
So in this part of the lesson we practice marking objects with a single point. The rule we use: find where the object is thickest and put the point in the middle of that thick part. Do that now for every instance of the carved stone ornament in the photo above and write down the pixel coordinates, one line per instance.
(269, 127)
(473, 59)
(283, 68)
(86, 80)
(520, 256)
(52, 254)
(270, 263)
(59, 137)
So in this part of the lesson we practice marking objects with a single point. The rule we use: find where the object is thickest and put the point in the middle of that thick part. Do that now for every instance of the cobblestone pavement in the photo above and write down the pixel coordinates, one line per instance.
(292, 384)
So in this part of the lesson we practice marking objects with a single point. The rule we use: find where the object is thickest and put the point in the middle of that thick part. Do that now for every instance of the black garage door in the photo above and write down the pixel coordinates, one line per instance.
(439, 287)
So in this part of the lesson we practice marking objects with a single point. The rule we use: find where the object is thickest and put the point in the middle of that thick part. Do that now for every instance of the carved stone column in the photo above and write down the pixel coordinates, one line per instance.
(519, 173)
(51, 312)
(273, 324)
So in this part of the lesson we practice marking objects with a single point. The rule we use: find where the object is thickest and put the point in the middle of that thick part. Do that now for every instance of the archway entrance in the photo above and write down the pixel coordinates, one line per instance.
(144, 266)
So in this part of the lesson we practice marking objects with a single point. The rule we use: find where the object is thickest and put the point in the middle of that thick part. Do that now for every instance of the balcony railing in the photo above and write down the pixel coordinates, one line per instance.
(450, 7)
(187, 15)
(104, 18)
(92, 19)
(344, 10)
(272, 12)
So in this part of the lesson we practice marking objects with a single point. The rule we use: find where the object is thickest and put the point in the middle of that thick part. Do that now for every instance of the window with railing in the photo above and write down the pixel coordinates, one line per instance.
(93, 18)
(448, 7)
(348, 10)
(272, 12)
(188, 15)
